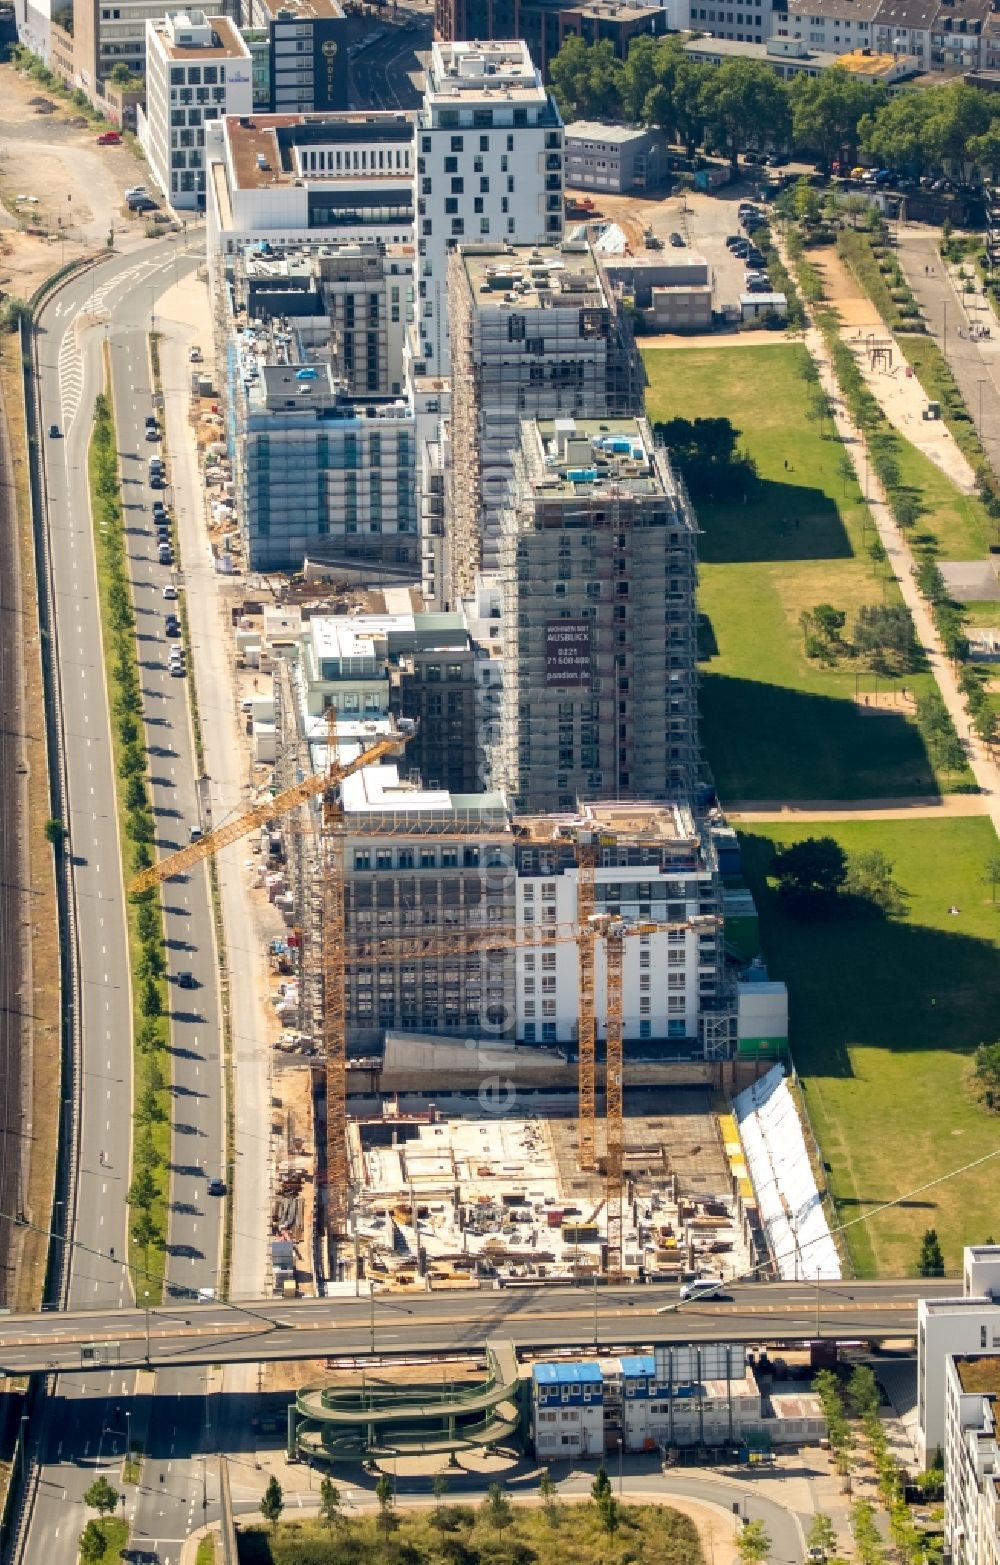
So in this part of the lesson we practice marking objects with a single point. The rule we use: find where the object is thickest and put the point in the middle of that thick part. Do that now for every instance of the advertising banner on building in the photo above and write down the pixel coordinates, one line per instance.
(567, 652)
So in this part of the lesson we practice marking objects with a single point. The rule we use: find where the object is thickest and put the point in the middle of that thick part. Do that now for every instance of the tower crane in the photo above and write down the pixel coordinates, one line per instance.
(332, 850)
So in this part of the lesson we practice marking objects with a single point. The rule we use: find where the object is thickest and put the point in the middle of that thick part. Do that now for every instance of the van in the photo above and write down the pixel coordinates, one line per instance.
(701, 1288)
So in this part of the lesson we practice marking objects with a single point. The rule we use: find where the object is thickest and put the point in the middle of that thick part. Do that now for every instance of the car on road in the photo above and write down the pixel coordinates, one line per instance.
(677, 240)
(157, 480)
(702, 1288)
(195, 834)
(166, 554)
(159, 510)
(216, 1187)
(109, 138)
(185, 980)
(170, 591)
(53, 431)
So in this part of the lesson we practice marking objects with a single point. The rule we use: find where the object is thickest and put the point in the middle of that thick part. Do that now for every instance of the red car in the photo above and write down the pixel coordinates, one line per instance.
(109, 138)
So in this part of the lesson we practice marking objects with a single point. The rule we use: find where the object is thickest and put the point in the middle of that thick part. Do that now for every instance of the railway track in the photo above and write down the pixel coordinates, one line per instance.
(12, 883)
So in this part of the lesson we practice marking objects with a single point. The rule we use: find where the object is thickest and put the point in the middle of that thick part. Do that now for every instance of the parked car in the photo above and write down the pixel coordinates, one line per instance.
(166, 554)
(733, 241)
(777, 160)
(216, 1187)
(754, 159)
(53, 431)
(195, 834)
(170, 591)
(677, 240)
(109, 138)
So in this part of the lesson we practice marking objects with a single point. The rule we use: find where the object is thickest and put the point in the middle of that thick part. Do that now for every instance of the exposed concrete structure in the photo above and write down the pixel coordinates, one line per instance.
(598, 578)
(536, 333)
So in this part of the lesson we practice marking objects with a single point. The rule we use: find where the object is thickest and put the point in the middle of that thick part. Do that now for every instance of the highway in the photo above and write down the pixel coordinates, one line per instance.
(114, 303)
(438, 1323)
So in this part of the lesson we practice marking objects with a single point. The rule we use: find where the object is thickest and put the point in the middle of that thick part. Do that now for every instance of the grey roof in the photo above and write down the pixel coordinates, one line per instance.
(835, 10)
(958, 11)
(918, 14)
(614, 135)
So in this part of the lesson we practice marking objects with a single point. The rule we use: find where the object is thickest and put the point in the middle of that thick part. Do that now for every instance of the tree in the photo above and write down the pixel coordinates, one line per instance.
(149, 997)
(386, 1520)
(329, 1502)
(745, 104)
(896, 136)
(870, 879)
(93, 1542)
(827, 109)
(55, 833)
(149, 1110)
(885, 630)
(101, 1497)
(13, 312)
(822, 1534)
(829, 621)
(986, 1074)
(753, 1544)
(549, 1496)
(863, 1392)
(587, 79)
(142, 1191)
(810, 873)
(273, 1503)
(610, 1514)
(496, 1509)
(146, 1232)
(931, 1262)
(601, 1485)
(991, 873)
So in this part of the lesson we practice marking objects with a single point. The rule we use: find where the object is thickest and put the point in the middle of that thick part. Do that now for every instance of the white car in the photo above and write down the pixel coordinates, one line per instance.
(170, 591)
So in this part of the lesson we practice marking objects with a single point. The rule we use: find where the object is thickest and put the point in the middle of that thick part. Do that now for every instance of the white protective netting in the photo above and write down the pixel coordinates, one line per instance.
(789, 1204)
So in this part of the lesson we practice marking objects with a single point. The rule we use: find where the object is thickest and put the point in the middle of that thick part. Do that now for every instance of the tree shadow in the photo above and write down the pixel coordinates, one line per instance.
(766, 741)
(784, 521)
(870, 983)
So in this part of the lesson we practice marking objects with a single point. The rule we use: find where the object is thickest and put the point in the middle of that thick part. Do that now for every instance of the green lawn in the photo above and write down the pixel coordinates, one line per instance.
(647, 1535)
(884, 1018)
(777, 724)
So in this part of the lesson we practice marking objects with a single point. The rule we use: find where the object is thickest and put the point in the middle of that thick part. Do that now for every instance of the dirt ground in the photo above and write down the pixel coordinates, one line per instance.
(77, 187)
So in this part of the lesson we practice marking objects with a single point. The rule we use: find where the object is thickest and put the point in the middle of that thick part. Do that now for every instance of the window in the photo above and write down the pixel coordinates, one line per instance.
(362, 860)
(458, 143)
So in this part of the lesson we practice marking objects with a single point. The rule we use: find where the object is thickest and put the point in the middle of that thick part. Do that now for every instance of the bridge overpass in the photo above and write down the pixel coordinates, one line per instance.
(387, 1324)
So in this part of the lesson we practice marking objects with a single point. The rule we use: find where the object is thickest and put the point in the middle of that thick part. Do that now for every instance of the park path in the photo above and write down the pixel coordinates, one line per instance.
(773, 811)
(900, 558)
(900, 395)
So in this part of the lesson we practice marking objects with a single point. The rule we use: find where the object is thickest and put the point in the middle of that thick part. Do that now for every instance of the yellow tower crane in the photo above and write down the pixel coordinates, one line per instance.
(332, 850)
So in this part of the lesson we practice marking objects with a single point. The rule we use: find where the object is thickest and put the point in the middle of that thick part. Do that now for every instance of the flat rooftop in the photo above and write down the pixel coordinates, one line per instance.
(301, 10)
(610, 135)
(275, 138)
(568, 457)
(980, 1374)
(226, 42)
(501, 68)
(657, 822)
(534, 278)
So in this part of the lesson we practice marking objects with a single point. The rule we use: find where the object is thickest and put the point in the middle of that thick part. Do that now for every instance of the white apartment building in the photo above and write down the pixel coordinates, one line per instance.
(653, 868)
(197, 71)
(746, 21)
(966, 1324)
(489, 168)
(837, 26)
(972, 1459)
(283, 178)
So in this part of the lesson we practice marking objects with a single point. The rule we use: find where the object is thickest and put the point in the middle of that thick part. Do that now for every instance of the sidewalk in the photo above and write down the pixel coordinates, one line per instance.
(901, 560)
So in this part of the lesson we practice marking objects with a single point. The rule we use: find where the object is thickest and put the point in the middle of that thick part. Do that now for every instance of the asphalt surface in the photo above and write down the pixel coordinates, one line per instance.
(14, 913)
(216, 1333)
(88, 1431)
(382, 76)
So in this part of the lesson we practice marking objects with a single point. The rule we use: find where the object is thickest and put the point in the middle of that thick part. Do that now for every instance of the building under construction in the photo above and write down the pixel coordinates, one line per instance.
(597, 577)
(536, 332)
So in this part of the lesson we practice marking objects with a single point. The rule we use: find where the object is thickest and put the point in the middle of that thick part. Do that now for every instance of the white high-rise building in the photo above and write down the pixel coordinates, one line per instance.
(489, 169)
(969, 1323)
(197, 71)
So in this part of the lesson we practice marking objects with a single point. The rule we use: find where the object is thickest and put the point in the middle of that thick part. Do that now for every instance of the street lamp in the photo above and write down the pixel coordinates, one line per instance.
(146, 1297)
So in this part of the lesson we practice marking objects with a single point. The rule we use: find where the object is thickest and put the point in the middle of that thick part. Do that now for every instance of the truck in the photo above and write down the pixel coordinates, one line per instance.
(711, 178)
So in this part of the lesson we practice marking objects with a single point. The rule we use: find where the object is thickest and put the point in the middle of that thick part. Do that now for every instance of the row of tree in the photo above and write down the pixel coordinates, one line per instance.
(145, 1190)
(744, 104)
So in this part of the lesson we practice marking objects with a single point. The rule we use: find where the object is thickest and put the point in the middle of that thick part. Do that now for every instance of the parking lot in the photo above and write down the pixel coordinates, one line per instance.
(704, 222)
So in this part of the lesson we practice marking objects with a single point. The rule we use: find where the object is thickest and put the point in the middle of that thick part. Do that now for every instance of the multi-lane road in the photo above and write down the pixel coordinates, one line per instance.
(112, 306)
(391, 1323)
